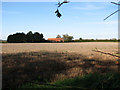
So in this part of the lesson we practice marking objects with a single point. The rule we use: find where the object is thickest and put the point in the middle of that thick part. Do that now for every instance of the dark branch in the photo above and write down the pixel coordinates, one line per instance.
(115, 3)
(112, 14)
(59, 4)
(58, 14)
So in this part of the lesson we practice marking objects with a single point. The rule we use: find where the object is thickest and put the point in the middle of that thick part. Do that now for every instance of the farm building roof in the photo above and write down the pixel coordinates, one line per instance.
(56, 39)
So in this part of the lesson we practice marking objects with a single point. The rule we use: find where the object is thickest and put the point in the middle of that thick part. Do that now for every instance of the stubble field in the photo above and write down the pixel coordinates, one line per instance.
(79, 48)
(29, 62)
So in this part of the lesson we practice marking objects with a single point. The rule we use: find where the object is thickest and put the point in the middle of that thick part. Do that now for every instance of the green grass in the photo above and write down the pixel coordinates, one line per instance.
(95, 80)
(3, 42)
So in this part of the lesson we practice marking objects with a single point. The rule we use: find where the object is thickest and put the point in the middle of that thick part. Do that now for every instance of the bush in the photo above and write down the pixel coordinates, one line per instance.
(22, 38)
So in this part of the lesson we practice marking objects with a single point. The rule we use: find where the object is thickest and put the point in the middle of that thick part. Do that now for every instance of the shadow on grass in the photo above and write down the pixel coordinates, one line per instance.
(44, 66)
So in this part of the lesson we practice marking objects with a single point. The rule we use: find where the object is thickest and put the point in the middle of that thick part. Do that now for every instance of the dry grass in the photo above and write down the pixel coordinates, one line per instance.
(49, 66)
(52, 61)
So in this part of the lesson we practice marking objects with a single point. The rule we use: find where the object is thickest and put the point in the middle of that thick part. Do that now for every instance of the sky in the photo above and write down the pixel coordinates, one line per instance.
(79, 19)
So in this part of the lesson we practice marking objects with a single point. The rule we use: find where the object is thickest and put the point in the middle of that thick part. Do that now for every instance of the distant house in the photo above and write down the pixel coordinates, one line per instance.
(56, 39)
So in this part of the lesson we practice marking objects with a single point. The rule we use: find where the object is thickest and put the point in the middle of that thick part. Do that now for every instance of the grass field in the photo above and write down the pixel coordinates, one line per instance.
(49, 62)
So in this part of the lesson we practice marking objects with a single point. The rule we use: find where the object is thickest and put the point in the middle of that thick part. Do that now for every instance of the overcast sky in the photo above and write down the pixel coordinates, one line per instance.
(79, 19)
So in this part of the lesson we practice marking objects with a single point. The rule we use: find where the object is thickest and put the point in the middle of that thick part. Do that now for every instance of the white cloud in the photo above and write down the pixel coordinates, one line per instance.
(89, 7)
(11, 12)
(105, 23)
(101, 23)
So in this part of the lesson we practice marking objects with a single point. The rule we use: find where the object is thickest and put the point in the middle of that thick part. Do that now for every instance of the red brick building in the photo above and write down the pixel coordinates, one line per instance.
(56, 39)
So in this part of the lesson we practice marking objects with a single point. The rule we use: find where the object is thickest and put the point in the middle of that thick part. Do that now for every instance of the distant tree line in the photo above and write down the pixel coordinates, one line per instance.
(23, 38)
(96, 40)
(68, 38)
(38, 37)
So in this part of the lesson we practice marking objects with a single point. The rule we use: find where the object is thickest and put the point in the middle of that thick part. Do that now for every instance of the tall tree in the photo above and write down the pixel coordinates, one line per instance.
(38, 37)
(10, 39)
(67, 38)
(58, 36)
(30, 37)
(17, 38)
